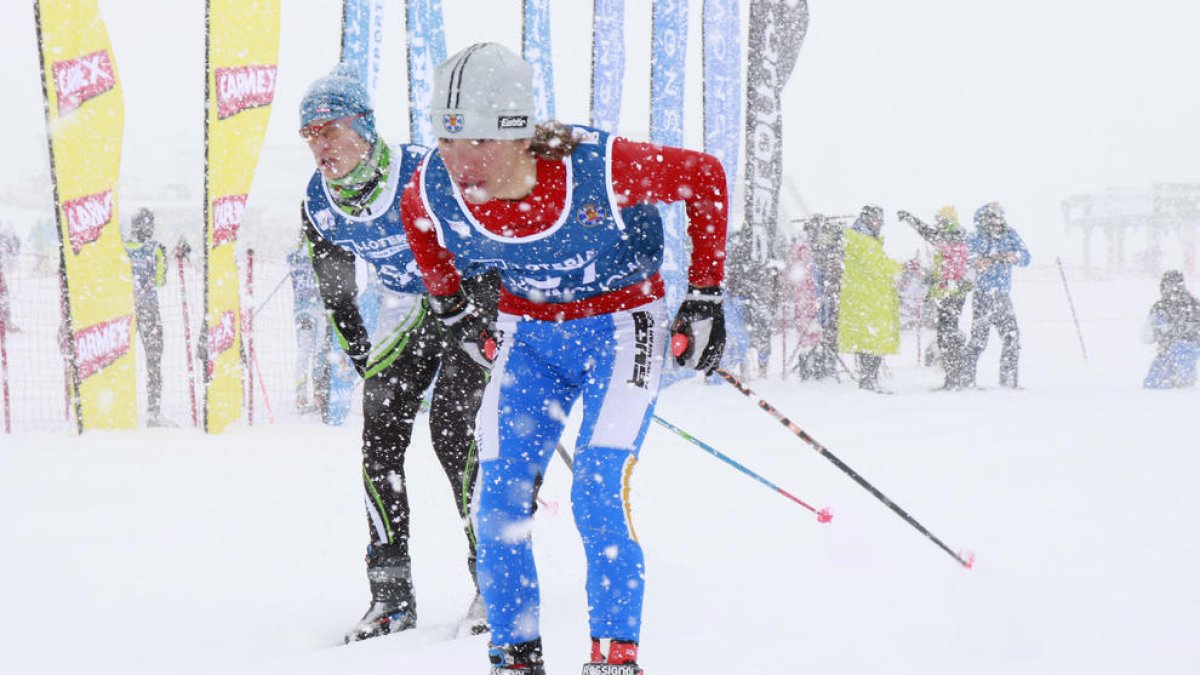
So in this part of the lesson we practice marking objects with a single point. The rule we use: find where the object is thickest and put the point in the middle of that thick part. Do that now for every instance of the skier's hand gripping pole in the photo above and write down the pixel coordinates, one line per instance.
(466, 326)
(698, 331)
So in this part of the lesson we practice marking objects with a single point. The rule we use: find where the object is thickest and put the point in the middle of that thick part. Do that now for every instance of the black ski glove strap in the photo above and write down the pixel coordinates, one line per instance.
(698, 331)
(359, 361)
(466, 327)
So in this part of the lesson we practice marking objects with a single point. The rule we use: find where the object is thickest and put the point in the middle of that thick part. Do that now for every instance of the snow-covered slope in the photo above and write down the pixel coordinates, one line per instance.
(165, 551)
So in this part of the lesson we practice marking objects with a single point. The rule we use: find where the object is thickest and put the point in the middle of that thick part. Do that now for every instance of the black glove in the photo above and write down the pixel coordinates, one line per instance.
(698, 331)
(905, 216)
(466, 327)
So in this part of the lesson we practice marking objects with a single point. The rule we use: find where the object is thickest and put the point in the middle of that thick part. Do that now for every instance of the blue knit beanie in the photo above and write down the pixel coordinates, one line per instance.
(339, 94)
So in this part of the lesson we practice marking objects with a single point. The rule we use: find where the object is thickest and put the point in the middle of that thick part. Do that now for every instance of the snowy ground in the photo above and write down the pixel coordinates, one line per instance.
(165, 551)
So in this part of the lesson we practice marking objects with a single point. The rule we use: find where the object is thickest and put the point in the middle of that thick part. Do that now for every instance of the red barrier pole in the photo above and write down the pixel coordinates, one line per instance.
(262, 386)
(1071, 304)
(180, 254)
(248, 332)
(4, 357)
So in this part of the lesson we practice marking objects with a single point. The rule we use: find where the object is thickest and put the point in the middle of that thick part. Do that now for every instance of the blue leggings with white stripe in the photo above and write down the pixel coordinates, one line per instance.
(614, 363)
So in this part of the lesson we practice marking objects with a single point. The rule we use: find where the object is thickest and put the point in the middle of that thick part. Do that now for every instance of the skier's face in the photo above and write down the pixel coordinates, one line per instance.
(486, 169)
(335, 146)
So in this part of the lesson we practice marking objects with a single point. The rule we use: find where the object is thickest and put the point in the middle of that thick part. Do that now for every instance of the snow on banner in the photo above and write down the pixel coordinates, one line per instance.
(80, 79)
(85, 117)
(101, 345)
(362, 40)
(667, 76)
(608, 63)
(244, 88)
(426, 43)
(722, 84)
(535, 48)
(243, 53)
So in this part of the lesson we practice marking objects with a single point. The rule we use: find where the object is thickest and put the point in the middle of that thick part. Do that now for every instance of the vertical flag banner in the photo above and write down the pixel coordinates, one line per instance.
(426, 46)
(535, 48)
(85, 121)
(608, 63)
(668, 63)
(722, 48)
(241, 65)
(362, 40)
(777, 29)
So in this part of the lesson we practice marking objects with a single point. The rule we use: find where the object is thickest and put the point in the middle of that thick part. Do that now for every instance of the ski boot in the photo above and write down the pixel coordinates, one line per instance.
(621, 658)
(475, 622)
(393, 608)
(382, 618)
(521, 659)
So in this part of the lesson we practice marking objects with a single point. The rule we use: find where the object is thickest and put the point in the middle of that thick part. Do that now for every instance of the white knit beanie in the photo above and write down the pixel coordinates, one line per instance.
(483, 91)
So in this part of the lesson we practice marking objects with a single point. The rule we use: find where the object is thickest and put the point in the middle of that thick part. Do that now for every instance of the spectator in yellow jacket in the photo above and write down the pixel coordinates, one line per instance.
(869, 307)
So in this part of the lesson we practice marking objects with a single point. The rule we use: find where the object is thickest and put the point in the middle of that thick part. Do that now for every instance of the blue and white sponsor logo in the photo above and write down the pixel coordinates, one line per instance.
(454, 122)
(590, 215)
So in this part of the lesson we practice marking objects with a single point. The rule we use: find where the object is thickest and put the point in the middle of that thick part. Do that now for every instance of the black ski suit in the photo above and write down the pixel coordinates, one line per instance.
(392, 397)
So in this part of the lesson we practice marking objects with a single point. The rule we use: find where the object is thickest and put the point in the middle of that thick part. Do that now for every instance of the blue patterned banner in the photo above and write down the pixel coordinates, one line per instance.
(362, 40)
(535, 48)
(669, 57)
(426, 42)
(608, 63)
(723, 84)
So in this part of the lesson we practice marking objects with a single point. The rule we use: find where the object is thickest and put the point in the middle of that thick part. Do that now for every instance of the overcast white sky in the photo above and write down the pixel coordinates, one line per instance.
(908, 104)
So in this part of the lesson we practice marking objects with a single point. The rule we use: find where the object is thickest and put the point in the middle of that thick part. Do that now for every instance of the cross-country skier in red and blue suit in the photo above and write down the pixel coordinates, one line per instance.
(566, 215)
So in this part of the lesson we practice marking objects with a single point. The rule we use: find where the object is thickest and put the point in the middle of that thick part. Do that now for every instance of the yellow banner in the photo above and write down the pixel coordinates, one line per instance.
(242, 57)
(85, 118)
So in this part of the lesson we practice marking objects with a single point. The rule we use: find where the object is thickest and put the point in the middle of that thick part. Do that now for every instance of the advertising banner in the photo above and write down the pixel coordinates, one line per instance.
(667, 75)
(85, 119)
(426, 47)
(722, 46)
(241, 65)
(535, 48)
(608, 63)
(362, 40)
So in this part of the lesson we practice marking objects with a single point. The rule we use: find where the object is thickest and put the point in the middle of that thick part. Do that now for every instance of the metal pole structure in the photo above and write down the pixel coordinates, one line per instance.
(1071, 303)
(180, 254)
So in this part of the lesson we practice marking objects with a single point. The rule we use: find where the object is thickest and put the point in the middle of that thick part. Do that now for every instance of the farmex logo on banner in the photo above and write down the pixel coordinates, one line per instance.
(85, 117)
(241, 64)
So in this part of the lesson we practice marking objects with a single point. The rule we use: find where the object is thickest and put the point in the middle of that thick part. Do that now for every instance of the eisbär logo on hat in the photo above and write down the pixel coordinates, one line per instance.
(512, 121)
(454, 122)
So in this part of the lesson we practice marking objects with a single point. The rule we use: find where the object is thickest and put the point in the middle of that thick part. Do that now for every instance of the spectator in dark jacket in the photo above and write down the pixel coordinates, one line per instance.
(994, 248)
(1174, 325)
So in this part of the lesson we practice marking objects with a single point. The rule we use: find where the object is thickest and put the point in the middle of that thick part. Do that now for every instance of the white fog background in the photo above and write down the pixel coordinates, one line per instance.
(169, 551)
(907, 104)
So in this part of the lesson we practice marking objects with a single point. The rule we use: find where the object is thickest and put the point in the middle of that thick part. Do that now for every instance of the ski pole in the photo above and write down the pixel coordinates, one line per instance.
(967, 559)
(270, 295)
(1071, 304)
(823, 516)
(180, 254)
